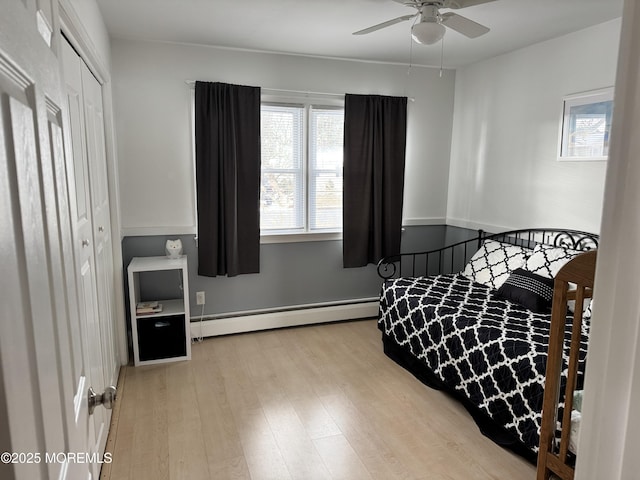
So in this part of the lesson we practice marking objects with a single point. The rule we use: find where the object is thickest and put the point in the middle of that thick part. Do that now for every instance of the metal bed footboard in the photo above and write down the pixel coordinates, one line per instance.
(453, 258)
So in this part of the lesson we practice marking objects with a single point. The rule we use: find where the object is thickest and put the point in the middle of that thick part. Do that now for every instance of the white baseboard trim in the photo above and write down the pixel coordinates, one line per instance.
(471, 225)
(158, 231)
(410, 222)
(211, 327)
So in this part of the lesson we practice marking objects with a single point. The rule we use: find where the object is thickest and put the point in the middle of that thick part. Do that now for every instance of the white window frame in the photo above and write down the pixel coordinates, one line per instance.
(577, 100)
(305, 235)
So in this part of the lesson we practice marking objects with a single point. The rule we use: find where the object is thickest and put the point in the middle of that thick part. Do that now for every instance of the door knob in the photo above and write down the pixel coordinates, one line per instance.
(85, 242)
(106, 398)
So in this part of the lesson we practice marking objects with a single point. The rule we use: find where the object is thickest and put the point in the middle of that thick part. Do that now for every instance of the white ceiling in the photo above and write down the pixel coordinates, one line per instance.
(324, 27)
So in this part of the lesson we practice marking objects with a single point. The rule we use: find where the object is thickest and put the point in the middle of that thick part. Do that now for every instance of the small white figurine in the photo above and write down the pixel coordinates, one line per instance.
(173, 248)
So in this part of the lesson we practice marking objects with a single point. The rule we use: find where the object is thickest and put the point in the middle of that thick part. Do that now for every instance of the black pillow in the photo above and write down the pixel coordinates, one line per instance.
(528, 289)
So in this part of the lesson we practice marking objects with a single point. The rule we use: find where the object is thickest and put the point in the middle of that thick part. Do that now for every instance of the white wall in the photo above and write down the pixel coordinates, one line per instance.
(153, 122)
(610, 428)
(504, 169)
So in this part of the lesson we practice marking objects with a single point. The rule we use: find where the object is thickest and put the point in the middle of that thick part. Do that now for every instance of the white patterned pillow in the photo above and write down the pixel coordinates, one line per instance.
(494, 262)
(546, 260)
(588, 309)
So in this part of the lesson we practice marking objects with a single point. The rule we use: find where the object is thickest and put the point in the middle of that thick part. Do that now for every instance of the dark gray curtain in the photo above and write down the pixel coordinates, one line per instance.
(375, 129)
(227, 131)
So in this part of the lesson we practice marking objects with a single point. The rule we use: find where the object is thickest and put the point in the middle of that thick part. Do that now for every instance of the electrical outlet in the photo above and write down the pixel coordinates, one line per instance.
(200, 298)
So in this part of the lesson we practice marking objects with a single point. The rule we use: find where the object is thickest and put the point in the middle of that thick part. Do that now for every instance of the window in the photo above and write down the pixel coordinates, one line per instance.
(301, 183)
(586, 126)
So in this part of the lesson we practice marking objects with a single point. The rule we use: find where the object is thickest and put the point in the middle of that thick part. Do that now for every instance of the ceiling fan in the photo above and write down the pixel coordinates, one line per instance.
(431, 27)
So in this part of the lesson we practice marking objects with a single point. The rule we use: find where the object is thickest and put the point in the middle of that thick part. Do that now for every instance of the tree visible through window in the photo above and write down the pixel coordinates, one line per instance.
(586, 125)
(301, 186)
(588, 135)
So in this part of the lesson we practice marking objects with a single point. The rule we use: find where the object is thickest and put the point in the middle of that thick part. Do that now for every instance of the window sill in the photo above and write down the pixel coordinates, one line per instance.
(301, 237)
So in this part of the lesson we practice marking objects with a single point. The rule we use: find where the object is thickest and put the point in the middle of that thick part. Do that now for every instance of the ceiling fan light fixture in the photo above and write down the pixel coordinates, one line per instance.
(427, 33)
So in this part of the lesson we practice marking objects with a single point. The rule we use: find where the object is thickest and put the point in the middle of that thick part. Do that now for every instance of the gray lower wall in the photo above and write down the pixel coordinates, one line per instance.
(291, 274)
(458, 234)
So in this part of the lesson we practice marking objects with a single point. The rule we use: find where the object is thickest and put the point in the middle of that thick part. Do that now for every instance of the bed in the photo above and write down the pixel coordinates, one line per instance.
(473, 319)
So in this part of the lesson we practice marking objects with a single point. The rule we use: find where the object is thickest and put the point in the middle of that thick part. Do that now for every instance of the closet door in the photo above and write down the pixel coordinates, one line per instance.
(100, 213)
(82, 146)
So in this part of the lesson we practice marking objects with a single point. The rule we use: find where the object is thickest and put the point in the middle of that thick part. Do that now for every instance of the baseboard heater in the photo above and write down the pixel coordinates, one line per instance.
(267, 319)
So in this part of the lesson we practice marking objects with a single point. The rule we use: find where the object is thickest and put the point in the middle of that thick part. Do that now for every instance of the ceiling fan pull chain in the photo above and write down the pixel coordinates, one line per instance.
(441, 55)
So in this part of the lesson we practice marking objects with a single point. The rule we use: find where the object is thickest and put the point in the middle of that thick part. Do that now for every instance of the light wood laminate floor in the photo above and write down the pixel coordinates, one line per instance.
(300, 403)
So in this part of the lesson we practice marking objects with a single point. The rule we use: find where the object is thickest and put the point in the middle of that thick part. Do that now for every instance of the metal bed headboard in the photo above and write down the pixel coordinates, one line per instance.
(453, 258)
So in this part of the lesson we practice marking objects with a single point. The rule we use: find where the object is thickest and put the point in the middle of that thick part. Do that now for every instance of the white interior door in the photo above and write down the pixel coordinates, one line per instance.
(41, 370)
(82, 138)
(100, 211)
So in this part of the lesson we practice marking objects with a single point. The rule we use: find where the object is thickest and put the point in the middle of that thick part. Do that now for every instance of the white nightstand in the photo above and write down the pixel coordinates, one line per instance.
(162, 336)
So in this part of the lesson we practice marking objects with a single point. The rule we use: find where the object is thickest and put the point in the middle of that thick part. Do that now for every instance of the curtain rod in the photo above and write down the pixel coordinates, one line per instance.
(296, 92)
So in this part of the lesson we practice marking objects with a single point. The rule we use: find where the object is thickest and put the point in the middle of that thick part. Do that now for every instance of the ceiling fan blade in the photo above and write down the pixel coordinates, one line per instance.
(454, 4)
(409, 3)
(463, 25)
(388, 23)
(463, 3)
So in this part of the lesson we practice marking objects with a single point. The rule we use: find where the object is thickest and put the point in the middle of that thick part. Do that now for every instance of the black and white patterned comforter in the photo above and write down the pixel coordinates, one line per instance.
(487, 349)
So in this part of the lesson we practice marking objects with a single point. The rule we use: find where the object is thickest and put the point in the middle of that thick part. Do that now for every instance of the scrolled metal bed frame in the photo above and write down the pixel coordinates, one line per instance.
(452, 258)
